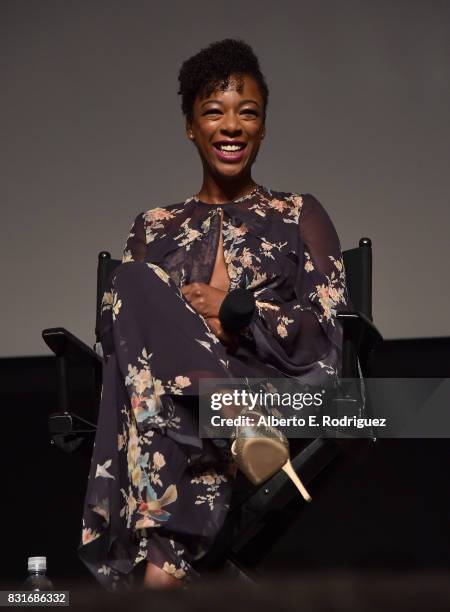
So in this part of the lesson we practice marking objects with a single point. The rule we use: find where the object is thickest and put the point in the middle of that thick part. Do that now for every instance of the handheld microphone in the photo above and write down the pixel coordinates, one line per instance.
(236, 310)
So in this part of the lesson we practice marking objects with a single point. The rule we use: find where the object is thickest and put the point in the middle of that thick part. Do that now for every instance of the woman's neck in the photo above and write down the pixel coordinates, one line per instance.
(215, 192)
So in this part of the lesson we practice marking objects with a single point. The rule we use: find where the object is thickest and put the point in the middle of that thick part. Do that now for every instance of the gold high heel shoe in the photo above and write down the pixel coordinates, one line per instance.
(261, 451)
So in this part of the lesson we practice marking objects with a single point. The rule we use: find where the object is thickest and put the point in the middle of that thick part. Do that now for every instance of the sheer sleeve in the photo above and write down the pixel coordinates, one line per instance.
(135, 246)
(302, 335)
(134, 250)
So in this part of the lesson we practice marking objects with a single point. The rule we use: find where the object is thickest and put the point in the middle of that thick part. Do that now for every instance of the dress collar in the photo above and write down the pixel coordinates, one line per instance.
(239, 203)
(244, 210)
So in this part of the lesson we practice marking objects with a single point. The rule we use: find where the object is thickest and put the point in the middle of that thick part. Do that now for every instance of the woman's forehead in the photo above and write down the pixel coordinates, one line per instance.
(244, 85)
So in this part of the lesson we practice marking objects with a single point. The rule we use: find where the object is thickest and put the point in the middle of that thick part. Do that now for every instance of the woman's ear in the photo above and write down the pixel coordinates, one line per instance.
(189, 132)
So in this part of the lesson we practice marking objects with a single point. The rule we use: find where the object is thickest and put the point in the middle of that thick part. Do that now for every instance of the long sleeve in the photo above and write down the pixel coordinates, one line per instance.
(134, 251)
(136, 242)
(299, 333)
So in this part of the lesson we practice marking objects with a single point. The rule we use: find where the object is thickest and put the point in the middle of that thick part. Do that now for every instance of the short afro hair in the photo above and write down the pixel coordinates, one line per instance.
(211, 68)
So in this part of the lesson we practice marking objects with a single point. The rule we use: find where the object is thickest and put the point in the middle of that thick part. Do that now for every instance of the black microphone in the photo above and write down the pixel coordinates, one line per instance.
(236, 310)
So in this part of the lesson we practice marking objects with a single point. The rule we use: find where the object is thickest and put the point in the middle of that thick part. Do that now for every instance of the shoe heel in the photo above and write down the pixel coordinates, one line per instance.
(289, 470)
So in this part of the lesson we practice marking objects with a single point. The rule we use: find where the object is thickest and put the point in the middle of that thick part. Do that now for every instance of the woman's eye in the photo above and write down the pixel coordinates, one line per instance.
(247, 111)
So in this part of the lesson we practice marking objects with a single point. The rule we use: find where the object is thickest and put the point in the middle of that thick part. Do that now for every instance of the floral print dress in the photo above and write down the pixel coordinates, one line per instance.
(156, 490)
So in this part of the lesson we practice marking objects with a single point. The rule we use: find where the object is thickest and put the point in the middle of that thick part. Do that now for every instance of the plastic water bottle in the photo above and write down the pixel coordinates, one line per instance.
(37, 580)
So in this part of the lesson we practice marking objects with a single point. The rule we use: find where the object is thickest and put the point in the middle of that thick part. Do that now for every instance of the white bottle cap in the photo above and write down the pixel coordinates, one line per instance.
(37, 564)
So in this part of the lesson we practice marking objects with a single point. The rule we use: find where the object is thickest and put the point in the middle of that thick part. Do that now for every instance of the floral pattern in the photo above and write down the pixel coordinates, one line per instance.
(212, 481)
(156, 490)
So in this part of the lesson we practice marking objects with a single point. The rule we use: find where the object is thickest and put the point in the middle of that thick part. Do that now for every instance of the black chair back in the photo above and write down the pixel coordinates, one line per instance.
(105, 268)
(358, 270)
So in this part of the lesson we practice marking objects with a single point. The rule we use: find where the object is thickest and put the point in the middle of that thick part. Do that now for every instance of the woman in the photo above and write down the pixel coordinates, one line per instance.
(157, 492)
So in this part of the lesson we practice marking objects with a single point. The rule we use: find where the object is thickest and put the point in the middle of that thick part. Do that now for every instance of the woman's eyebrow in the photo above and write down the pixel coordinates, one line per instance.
(220, 102)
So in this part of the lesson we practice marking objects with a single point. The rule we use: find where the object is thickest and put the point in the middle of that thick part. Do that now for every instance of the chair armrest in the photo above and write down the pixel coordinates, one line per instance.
(359, 329)
(65, 344)
(360, 338)
(64, 423)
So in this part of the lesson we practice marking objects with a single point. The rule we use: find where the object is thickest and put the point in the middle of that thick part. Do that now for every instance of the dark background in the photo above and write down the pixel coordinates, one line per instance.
(387, 509)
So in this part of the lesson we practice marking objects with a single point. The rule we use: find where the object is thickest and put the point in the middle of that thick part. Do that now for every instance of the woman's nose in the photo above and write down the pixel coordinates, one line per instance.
(230, 123)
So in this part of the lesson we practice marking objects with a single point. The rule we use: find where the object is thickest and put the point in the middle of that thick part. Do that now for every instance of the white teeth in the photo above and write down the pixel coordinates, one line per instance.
(231, 147)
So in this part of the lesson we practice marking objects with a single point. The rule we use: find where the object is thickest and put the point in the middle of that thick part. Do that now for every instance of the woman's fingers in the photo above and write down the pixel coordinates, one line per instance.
(214, 324)
(205, 299)
(229, 339)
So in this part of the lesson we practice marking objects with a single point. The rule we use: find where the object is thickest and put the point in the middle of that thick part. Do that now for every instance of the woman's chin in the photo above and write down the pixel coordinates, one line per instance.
(229, 171)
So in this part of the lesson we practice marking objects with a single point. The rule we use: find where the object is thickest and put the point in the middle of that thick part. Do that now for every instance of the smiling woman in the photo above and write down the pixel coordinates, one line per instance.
(224, 100)
(165, 493)
(227, 130)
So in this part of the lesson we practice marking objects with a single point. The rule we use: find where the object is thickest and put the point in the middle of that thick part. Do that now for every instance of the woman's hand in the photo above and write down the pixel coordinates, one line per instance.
(206, 300)
(230, 340)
